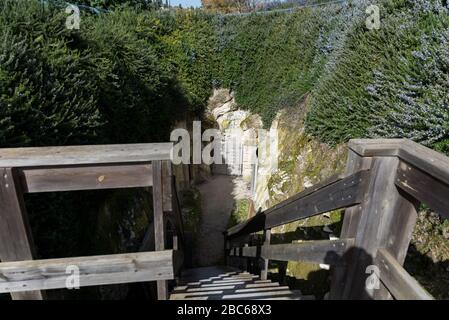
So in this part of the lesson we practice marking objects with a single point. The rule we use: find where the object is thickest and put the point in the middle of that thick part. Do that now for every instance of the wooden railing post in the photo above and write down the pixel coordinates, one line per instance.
(226, 249)
(385, 220)
(16, 241)
(350, 224)
(247, 263)
(159, 223)
(267, 239)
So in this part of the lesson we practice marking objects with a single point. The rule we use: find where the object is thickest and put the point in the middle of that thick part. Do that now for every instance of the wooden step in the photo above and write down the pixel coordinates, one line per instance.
(255, 295)
(221, 284)
(215, 283)
(240, 286)
(260, 285)
(261, 289)
(210, 288)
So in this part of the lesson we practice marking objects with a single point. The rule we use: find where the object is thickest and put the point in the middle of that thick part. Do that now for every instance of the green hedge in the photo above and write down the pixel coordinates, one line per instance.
(124, 77)
(127, 75)
(391, 82)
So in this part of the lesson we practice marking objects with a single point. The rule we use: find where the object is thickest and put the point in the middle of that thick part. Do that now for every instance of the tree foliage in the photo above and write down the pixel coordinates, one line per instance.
(226, 6)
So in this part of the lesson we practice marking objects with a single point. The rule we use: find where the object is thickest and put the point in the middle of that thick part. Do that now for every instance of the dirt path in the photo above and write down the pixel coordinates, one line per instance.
(217, 203)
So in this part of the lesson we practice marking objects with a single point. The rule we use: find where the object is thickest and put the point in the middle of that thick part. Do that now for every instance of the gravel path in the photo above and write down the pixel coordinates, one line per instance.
(217, 203)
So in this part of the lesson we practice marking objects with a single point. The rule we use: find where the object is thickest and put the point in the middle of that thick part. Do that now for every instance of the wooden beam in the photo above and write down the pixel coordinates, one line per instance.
(16, 241)
(424, 187)
(167, 186)
(432, 162)
(352, 214)
(178, 261)
(96, 270)
(267, 240)
(306, 192)
(254, 224)
(159, 222)
(351, 219)
(78, 155)
(376, 147)
(177, 214)
(386, 221)
(397, 280)
(85, 177)
(343, 193)
(335, 194)
(319, 251)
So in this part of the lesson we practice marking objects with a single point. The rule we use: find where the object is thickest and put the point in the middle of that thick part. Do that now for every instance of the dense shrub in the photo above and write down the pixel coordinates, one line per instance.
(128, 74)
(43, 96)
(124, 76)
(272, 60)
(390, 82)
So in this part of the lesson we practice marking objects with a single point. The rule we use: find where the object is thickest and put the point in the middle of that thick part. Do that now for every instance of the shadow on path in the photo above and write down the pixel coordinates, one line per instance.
(217, 203)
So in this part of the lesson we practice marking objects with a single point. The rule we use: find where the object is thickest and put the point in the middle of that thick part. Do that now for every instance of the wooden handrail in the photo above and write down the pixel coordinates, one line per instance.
(421, 157)
(82, 155)
(75, 178)
(177, 212)
(70, 168)
(385, 181)
(424, 187)
(95, 270)
(318, 251)
(397, 280)
(336, 193)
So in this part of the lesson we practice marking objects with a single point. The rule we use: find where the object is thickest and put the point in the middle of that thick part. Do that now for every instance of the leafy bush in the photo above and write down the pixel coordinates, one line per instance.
(124, 76)
(118, 79)
(43, 96)
(272, 60)
(390, 82)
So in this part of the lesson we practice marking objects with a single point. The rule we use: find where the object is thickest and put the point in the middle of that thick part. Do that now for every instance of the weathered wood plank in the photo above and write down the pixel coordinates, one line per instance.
(376, 147)
(167, 186)
(159, 222)
(176, 213)
(320, 251)
(96, 270)
(178, 261)
(434, 163)
(254, 224)
(267, 240)
(341, 194)
(352, 214)
(397, 280)
(386, 220)
(306, 192)
(85, 177)
(338, 194)
(16, 241)
(424, 187)
(351, 219)
(78, 155)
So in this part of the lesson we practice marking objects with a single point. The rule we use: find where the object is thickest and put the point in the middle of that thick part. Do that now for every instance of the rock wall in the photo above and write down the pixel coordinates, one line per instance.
(301, 163)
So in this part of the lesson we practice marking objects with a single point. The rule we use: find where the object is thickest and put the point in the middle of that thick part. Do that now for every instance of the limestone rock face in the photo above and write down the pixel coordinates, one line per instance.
(219, 98)
(239, 130)
(304, 161)
(301, 162)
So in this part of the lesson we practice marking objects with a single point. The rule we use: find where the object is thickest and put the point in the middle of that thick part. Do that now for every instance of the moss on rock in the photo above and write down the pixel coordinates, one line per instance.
(239, 213)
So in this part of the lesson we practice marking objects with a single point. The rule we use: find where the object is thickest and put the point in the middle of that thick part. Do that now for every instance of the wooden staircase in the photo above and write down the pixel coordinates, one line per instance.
(225, 283)
(381, 191)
